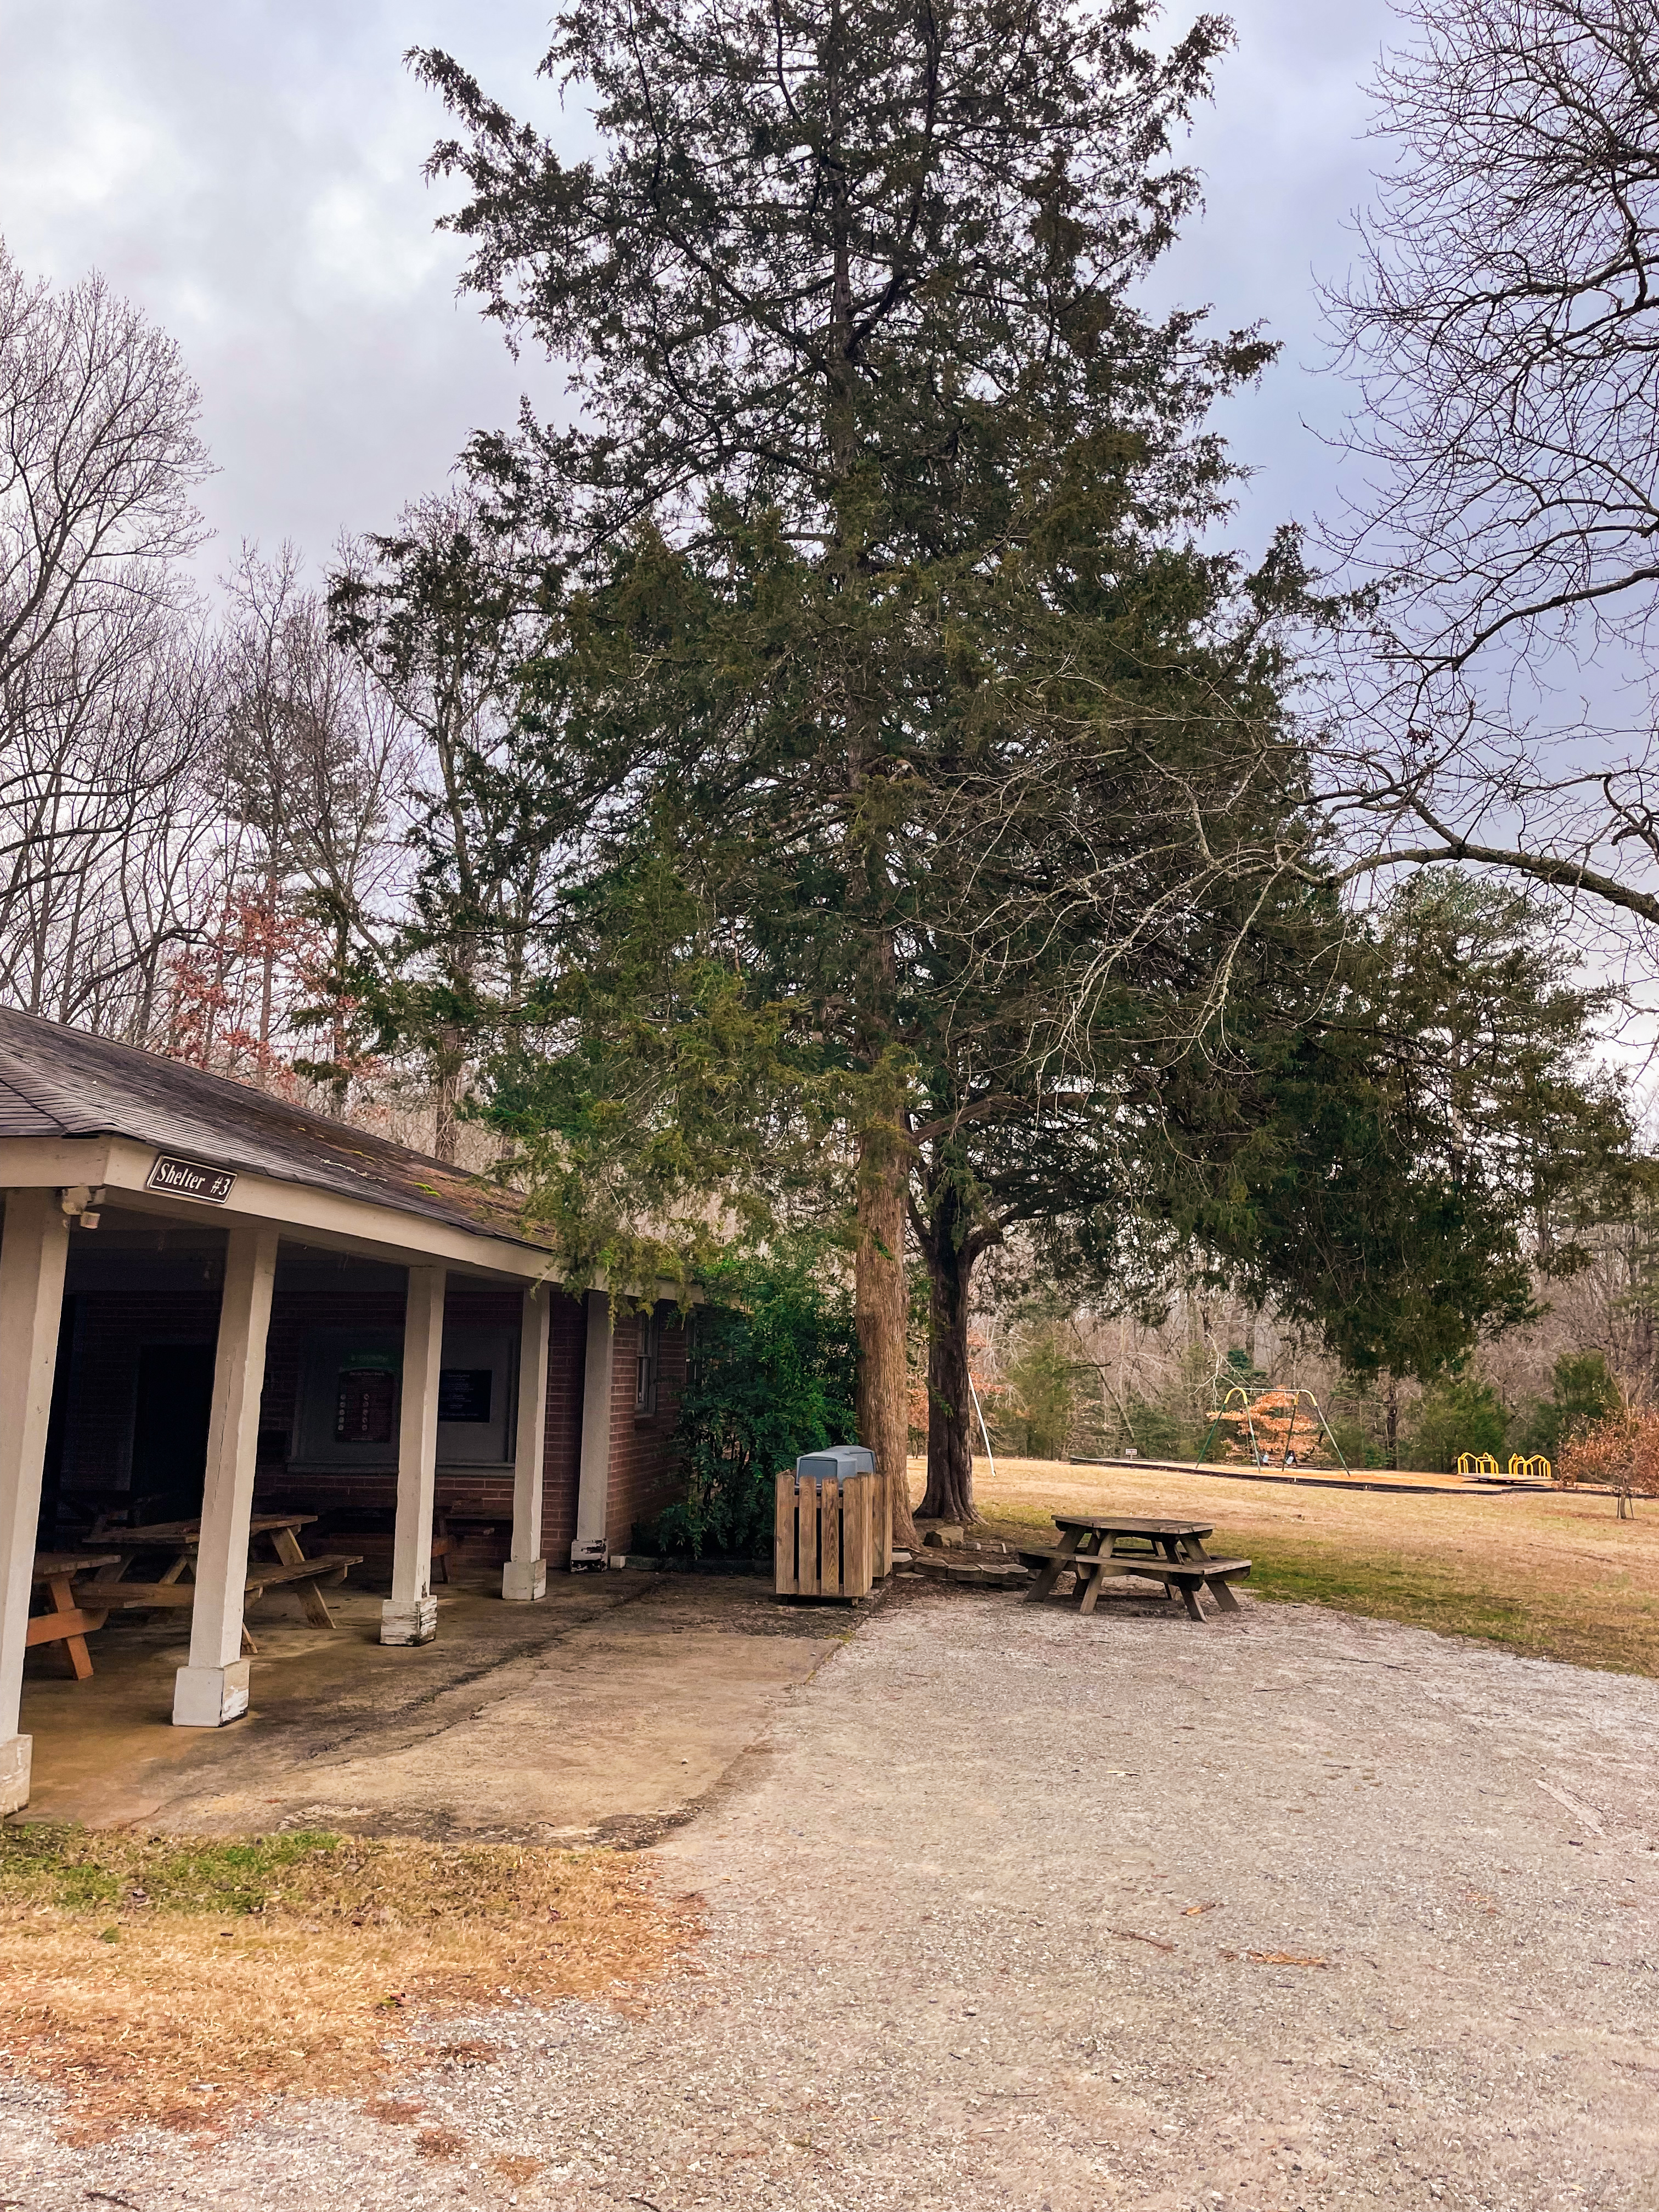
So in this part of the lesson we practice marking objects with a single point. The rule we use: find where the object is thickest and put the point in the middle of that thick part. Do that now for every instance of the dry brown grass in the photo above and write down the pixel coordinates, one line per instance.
(1548, 1573)
(182, 1983)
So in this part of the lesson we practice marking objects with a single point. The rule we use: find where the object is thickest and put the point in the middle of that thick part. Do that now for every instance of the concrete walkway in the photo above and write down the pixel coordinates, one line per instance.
(1015, 1912)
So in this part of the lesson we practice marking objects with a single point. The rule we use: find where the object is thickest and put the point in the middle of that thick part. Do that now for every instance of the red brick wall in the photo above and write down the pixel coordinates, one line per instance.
(309, 1305)
(127, 1298)
(124, 1299)
(645, 1474)
(316, 1291)
(306, 1303)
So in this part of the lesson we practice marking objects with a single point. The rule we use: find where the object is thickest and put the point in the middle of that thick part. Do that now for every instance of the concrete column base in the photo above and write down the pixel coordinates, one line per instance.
(208, 1697)
(409, 1623)
(523, 1581)
(14, 1755)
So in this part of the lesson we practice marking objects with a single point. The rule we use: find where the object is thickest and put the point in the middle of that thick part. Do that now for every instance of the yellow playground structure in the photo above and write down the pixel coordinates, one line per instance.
(1277, 1425)
(1523, 1469)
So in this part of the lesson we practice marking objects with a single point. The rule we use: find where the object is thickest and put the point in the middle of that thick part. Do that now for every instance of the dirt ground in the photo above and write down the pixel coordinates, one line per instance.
(1016, 1912)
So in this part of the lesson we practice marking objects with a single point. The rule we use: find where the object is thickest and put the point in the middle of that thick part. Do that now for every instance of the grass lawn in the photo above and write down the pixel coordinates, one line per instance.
(1548, 1573)
(176, 1980)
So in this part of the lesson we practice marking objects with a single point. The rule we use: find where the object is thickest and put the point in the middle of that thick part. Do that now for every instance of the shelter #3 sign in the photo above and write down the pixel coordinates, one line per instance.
(188, 1179)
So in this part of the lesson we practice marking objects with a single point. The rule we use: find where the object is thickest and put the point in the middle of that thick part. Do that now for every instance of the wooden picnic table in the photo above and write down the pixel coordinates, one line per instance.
(110, 1588)
(65, 1621)
(1093, 1545)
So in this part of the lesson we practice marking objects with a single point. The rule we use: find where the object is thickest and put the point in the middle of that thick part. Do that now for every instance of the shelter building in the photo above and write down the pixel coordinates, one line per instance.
(213, 1301)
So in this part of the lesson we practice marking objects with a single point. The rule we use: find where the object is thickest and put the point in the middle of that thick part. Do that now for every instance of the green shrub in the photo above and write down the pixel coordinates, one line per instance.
(1459, 1414)
(772, 1373)
(1355, 1441)
(1042, 1381)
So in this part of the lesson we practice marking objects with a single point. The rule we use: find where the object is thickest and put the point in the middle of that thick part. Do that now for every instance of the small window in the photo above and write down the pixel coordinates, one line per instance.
(645, 1366)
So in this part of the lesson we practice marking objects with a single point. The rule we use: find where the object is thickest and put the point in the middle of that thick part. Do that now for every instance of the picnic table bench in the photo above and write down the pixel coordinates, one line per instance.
(372, 1527)
(110, 1589)
(65, 1621)
(1093, 1545)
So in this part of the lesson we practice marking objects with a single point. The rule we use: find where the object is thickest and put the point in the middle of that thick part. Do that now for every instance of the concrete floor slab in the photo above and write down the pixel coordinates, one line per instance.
(602, 1713)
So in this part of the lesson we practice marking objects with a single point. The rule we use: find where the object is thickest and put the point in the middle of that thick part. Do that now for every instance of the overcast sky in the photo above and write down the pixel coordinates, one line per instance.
(249, 171)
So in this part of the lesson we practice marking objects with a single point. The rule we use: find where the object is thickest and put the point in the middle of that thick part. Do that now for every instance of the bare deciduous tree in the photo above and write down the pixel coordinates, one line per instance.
(1505, 327)
(101, 849)
(194, 824)
(311, 766)
(104, 681)
(99, 459)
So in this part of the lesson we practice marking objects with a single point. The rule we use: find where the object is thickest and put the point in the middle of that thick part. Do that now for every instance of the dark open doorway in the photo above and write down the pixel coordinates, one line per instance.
(170, 1430)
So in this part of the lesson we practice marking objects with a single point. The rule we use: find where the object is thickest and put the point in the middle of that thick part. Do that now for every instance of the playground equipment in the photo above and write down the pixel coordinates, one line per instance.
(1479, 1463)
(1523, 1467)
(1272, 1405)
(1535, 1469)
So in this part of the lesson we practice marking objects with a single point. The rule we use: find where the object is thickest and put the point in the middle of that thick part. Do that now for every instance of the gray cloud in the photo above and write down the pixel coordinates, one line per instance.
(248, 171)
(1285, 163)
(250, 175)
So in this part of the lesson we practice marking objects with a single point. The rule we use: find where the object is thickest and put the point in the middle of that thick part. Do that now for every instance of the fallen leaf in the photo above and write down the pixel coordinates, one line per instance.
(392, 2111)
(517, 2169)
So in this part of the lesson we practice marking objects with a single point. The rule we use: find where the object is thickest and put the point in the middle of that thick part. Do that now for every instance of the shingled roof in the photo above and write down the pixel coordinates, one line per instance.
(59, 1082)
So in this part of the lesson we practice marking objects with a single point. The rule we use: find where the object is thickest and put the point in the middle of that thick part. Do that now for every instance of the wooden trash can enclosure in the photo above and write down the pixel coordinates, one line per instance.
(833, 1533)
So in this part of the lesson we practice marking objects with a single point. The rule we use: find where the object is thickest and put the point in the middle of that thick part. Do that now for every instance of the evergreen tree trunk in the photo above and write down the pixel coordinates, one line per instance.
(1391, 1457)
(452, 1035)
(951, 1256)
(880, 1304)
(880, 1312)
(950, 1494)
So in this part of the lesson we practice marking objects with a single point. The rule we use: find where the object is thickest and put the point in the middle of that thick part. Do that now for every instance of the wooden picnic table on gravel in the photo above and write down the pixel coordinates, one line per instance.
(110, 1588)
(65, 1622)
(1093, 1545)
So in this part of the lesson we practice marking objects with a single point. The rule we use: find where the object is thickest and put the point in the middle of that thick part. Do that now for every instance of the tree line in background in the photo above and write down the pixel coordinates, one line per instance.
(840, 786)
(259, 835)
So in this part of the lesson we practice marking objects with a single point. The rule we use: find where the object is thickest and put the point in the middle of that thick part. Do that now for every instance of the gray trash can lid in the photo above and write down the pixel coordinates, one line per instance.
(835, 1464)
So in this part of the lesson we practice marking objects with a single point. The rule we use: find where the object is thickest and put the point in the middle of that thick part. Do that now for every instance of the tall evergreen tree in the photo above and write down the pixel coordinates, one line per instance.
(1440, 1141)
(846, 303)
(1082, 891)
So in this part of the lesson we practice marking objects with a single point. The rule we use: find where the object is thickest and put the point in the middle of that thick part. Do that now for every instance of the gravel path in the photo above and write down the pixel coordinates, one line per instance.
(1020, 1910)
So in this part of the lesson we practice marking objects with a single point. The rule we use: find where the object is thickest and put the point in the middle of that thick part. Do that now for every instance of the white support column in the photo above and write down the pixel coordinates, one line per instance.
(32, 1255)
(524, 1576)
(409, 1615)
(214, 1687)
(593, 1495)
